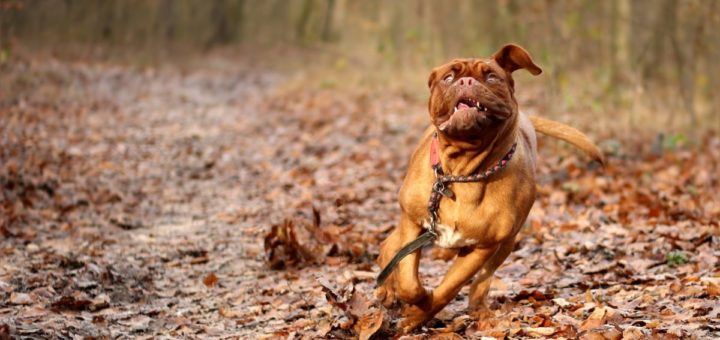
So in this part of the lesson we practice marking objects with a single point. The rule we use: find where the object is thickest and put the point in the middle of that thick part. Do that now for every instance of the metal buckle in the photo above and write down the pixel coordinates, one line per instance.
(437, 169)
(441, 189)
(438, 187)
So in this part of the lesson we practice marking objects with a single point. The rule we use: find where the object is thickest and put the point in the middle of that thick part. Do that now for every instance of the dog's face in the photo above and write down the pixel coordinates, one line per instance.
(472, 98)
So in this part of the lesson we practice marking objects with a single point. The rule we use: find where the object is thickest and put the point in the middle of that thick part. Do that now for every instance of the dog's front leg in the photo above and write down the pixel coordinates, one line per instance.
(469, 262)
(403, 283)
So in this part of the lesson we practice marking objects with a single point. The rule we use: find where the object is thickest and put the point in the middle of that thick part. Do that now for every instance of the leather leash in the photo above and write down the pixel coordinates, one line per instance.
(439, 190)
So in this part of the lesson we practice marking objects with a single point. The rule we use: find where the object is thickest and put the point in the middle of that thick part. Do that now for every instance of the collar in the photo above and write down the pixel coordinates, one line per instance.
(437, 166)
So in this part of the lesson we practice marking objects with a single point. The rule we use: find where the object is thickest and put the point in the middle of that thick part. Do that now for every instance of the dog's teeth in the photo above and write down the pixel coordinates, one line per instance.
(455, 109)
(444, 125)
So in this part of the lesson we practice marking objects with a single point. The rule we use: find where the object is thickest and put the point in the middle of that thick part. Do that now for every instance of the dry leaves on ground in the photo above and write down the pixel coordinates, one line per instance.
(212, 202)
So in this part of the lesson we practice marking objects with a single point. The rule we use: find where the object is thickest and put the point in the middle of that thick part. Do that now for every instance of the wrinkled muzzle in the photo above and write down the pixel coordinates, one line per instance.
(468, 107)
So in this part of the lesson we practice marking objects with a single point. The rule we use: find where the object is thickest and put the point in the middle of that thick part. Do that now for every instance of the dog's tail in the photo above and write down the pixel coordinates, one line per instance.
(569, 134)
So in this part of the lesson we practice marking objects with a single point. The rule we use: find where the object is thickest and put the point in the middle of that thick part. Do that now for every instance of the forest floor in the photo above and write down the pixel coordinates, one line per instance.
(212, 202)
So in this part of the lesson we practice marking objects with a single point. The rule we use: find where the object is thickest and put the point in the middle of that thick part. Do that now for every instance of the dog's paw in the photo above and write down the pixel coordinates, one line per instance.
(481, 312)
(386, 295)
(414, 316)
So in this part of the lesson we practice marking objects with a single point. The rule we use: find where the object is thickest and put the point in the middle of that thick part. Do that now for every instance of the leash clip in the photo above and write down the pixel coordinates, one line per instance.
(433, 222)
(441, 189)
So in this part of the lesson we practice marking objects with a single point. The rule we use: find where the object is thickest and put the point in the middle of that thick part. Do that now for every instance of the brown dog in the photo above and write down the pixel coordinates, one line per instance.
(476, 126)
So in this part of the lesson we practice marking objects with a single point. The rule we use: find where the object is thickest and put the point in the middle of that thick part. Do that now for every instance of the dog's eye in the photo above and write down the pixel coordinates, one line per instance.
(449, 77)
(492, 78)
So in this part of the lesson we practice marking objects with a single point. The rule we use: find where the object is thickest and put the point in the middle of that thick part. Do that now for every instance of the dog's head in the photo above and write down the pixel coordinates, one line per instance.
(473, 97)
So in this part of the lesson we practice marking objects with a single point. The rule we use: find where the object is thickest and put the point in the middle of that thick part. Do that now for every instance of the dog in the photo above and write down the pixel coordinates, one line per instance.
(483, 152)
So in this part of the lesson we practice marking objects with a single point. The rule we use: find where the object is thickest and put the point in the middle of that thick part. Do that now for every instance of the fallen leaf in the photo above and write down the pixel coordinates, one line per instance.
(333, 298)
(592, 336)
(137, 323)
(596, 319)
(358, 304)
(369, 324)
(282, 248)
(713, 290)
(101, 301)
(70, 303)
(539, 331)
(634, 333)
(210, 280)
(5, 332)
(230, 313)
(33, 312)
(21, 299)
(612, 334)
(562, 302)
(446, 336)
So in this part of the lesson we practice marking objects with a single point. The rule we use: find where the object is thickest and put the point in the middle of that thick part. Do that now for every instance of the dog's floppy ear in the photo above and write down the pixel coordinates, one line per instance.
(431, 78)
(512, 57)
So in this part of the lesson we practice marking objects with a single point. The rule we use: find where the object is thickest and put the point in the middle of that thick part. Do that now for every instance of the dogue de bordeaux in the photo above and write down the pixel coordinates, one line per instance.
(470, 183)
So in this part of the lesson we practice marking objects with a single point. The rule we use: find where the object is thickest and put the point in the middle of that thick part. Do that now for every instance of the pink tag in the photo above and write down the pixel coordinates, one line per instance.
(434, 157)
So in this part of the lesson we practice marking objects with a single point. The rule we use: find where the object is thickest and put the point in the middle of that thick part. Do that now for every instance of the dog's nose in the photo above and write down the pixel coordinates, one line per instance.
(467, 81)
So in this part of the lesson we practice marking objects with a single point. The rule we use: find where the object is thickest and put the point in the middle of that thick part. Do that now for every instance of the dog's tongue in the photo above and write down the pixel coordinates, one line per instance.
(462, 105)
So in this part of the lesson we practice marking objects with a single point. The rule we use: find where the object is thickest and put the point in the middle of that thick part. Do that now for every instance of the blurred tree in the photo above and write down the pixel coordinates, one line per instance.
(327, 26)
(656, 47)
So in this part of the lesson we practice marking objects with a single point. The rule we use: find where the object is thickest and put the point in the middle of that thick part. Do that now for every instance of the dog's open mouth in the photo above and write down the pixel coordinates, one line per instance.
(468, 114)
(469, 103)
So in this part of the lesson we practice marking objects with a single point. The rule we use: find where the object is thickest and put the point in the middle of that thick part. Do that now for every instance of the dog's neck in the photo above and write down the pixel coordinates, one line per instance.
(463, 158)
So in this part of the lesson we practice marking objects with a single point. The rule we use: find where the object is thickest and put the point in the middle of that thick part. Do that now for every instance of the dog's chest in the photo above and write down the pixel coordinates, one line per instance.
(449, 236)
(458, 219)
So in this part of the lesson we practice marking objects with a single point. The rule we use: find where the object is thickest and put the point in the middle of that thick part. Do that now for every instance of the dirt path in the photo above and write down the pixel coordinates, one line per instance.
(136, 203)
(158, 177)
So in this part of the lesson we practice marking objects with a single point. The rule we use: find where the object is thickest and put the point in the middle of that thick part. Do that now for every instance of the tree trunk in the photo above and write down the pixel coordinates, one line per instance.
(327, 27)
(302, 23)
(219, 20)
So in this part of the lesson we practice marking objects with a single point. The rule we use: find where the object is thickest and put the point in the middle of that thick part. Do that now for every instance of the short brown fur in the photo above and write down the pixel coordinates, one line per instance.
(485, 216)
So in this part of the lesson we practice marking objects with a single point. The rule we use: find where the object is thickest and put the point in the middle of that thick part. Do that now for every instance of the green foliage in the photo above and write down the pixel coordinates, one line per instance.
(674, 141)
(676, 258)
(571, 187)
(4, 55)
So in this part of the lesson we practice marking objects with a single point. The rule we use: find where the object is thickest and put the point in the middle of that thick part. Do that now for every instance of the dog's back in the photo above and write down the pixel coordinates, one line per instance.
(529, 136)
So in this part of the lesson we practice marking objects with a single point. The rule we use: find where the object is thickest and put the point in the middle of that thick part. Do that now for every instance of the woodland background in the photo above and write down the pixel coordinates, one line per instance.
(228, 168)
(645, 55)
